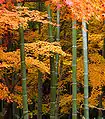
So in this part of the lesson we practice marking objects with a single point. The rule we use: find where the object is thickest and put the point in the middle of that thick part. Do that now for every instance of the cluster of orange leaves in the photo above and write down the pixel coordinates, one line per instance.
(10, 19)
(5, 94)
(78, 9)
(33, 50)
(44, 48)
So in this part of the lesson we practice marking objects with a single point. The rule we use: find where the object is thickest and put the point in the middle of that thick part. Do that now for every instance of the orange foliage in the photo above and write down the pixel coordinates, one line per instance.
(44, 48)
(12, 59)
(4, 93)
(12, 19)
(79, 9)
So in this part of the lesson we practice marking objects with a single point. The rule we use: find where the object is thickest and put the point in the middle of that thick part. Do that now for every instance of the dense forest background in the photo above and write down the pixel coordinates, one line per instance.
(52, 59)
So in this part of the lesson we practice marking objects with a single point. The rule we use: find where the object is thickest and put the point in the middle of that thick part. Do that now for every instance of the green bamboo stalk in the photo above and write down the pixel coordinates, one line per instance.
(52, 72)
(74, 72)
(85, 55)
(13, 104)
(100, 106)
(58, 25)
(39, 8)
(39, 116)
(50, 28)
(57, 62)
(23, 70)
(53, 89)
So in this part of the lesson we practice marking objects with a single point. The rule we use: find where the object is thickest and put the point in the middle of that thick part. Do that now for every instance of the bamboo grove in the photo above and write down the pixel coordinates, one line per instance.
(52, 59)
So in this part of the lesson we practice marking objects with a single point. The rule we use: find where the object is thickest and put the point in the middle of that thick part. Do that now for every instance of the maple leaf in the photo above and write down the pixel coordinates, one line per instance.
(69, 2)
(1, 1)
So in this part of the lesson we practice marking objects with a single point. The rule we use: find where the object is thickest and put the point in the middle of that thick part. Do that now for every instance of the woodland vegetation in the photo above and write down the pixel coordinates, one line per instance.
(52, 59)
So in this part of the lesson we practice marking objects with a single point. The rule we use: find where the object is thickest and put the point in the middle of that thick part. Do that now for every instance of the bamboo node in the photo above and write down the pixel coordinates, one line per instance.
(25, 95)
(86, 97)
(74, 65)
(53, 102)
(49, 17)
(74, 114)
(25, 112)
(74, 83)
(85, 73)
(23, 79)
(86, 86)
(57, 39)
(74, 46)
(74, 99)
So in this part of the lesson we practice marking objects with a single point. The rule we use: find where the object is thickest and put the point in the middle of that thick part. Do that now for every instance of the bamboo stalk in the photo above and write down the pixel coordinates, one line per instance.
(58, 25)
(53, 89)
(23, 71)
(52, 72)
(50, 28)
(39, 116)
(57, 62)
(100, 106)
(85, 55)
(74, 72)
(13, 104)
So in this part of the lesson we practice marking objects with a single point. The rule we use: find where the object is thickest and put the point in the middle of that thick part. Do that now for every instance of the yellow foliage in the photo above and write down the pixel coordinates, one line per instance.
(40, 65)
(4, 93)
(11, 59)
(44, 48)
(93, 99)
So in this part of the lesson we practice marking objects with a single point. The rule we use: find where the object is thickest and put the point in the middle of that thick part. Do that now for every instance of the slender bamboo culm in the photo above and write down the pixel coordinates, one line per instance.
(74, 82)
(40, 93)
(39, 115)
(85, 55)
(52, 72)
(57, 62)
(50, 28)
(23, 71)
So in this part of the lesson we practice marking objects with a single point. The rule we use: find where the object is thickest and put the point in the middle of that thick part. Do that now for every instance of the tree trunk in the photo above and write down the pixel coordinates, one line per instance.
(57, 62)
(52, 72)
(100, 106)
(23, 71)
(74, 72)
(85, 55)
(39, 115)
(8, 114)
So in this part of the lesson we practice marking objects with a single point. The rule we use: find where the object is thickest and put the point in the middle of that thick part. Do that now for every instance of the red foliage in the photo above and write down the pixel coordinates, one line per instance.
(2, 1)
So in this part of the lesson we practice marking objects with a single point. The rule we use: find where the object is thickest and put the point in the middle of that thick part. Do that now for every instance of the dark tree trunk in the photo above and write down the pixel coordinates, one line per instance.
(8, 110)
